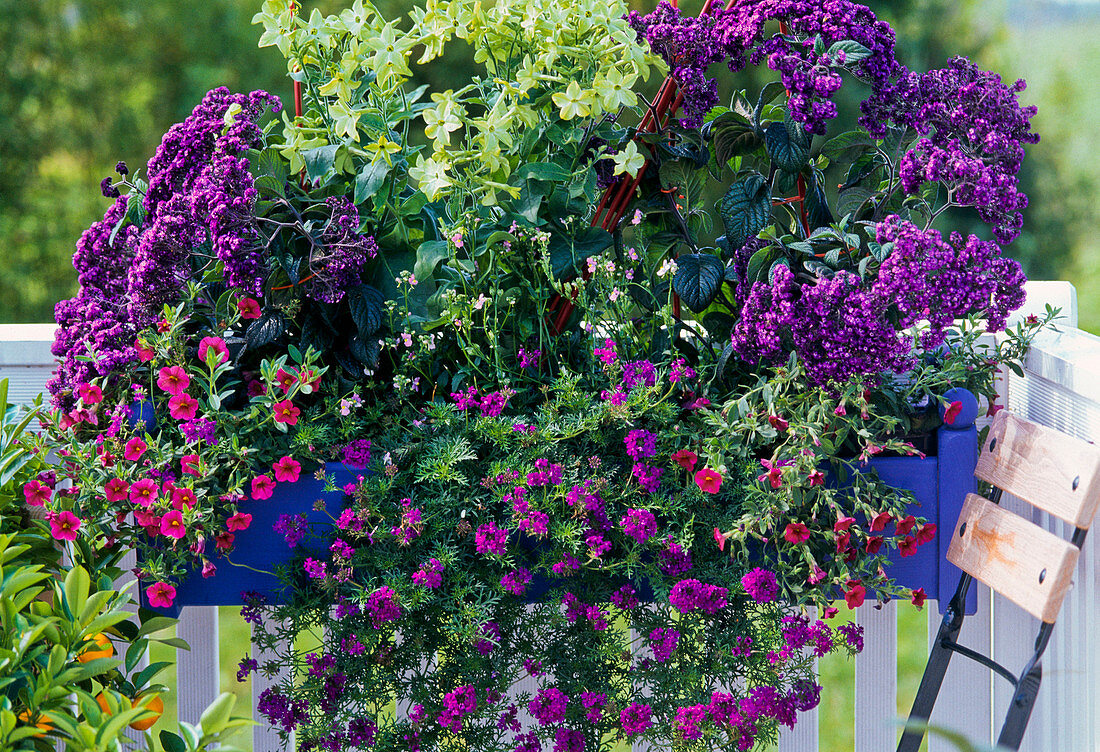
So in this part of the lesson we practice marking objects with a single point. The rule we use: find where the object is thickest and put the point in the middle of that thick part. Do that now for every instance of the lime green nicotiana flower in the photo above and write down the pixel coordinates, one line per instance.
(574, 102)
(431, 175)
(629, 160)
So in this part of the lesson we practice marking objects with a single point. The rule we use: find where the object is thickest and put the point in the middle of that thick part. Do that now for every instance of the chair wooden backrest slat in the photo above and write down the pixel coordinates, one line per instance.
(1057, 473)
(1020, 560)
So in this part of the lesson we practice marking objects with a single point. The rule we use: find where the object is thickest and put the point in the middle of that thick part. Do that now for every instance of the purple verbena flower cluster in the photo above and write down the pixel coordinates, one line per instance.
(689, 595)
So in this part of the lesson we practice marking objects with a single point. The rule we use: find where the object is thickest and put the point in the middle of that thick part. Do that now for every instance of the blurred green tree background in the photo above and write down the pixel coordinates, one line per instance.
(85, 83)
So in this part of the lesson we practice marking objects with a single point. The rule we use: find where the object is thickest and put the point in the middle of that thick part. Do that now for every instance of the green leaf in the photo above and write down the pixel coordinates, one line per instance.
(771, 90)
(217, 713)
(746, 209)
(545, 171)
(839, 145)
(698, 278)
(567, 252)
(369, 180)
(171, 742)
(77, 583)
(267, 185)
(320, 161)
(135, 215)
(787, 153)
(759, 263)
(849, 200)
(853, 51)
(428, 257)
(265, 330)
(733, 136)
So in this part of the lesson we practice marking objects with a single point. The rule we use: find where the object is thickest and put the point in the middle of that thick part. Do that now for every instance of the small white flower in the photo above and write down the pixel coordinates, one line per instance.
(610, 266)
(591, 263)
(615, 294)
(668, 267)
(406, 339)
(480, 302)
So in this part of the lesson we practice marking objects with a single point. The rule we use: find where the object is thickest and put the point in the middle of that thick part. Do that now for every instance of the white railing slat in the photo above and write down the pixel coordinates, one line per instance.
(197, 669)
(877, 678)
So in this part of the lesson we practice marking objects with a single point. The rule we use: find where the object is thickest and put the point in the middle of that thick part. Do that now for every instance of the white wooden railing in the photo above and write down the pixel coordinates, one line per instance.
(1061, 389)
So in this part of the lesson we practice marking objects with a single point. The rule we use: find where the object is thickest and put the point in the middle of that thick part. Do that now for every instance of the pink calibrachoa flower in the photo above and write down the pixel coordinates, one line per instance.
(64, 525)
(774, 476)
(285, 380)
(796, 532)
(239, 521)
(135, 447)
(215, 345)
(183, 407)
(90, 394)
(286, 412)
(208, 568)
(223, 541)
(144, 492)
(879, 521)
(36, 493)
(816, 478)
(249, 308)
(925, 533)
(720, 539)
(183, 497)
(686, 459)
(907, 546)
(174, 380)
(144, 352)
(160, 595)
(189, 464)
(262, 487)
(116, 489)
(709, 481)
(778, 423)
(854, 593)
(171, 525)
(917, 597)
(904, 526)
(951, 412)
(843, 523)
(874, 543)
(287, 469)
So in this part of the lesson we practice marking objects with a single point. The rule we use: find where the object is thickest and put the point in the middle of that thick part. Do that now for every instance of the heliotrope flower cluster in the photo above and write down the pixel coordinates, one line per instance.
(690, 45)
(974, 135)
(844, 326)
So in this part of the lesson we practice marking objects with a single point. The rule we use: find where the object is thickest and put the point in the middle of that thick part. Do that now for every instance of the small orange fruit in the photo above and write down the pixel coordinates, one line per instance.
(101, 700)
(106, 649)
(42, 723)
(156, 705)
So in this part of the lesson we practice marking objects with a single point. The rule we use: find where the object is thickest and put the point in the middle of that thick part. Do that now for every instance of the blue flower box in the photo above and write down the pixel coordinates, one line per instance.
(940, 484)
(259, 550)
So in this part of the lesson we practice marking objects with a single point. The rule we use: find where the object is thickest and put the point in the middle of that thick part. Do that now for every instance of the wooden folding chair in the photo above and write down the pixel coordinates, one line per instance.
(1018, 559)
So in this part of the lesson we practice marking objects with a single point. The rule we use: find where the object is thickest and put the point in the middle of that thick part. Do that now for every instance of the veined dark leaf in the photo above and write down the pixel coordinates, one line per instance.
(366, 309)
(746, 209)
(788, 154)
(265, 330)
(698, 278)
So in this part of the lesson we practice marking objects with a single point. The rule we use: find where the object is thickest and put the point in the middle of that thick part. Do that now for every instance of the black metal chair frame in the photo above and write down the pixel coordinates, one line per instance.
(1026, 684)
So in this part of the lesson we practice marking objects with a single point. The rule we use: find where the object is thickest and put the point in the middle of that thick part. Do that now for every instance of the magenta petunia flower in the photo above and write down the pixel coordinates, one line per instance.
(171, 525)
(287, 470)
(215, 345)
(183, 407)
(286, 412)
(249, 308)
(36, 493)
(160, 594)
(116, 490)
(709, 481)
(64, 526)
(90, 394)
(135, 447)
(262, 487)
(796, 532)
(239, 521)
(144, 492)
(173, 379)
